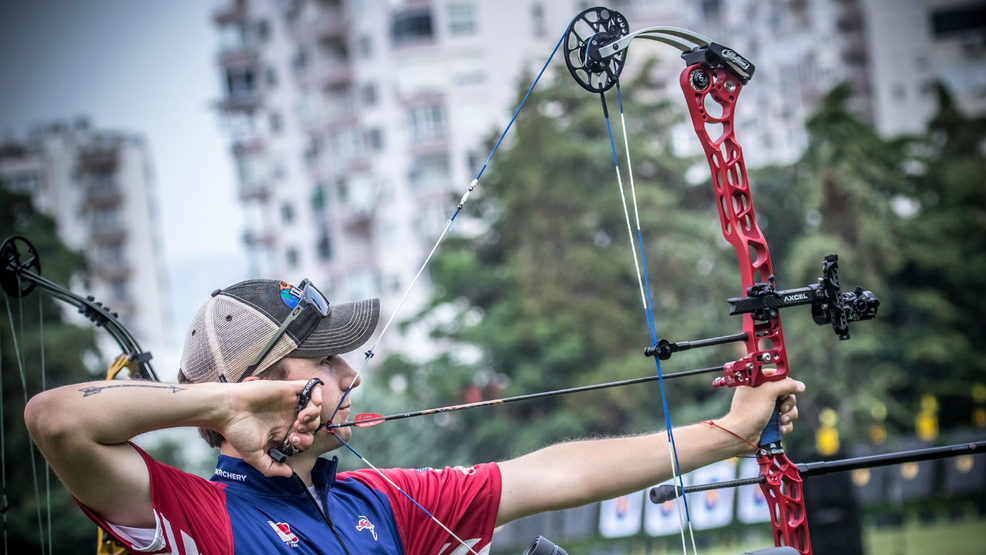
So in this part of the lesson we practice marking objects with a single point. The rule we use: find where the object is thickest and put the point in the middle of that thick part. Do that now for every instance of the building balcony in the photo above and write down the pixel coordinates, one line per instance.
(98, 158)
(255, 191)
(232, 10)
(112, 271)
(330, 23)
(258, 238)
(238, 55)
(327, 73)
(241, 102)
(103, 195)
(103, 234)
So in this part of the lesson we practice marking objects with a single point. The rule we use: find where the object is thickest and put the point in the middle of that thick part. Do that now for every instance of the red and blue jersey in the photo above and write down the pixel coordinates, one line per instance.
(242, 511)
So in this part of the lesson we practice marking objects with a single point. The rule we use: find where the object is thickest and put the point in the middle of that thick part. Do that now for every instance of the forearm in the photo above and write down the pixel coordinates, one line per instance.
(592, 470)
(110, 413)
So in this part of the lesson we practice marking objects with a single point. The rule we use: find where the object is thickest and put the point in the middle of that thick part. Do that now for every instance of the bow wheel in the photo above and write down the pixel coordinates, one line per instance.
(14, 262)
(591, 29)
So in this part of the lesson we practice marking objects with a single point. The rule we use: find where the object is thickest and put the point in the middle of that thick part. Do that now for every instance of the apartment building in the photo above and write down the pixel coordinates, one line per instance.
(354, 125)
(98, 185)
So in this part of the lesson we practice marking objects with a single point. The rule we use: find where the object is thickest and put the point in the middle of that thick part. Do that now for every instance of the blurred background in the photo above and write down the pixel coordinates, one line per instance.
(157, 151)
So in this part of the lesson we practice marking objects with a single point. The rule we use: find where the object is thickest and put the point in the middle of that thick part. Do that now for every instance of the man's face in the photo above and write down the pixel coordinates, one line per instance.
(337, 375)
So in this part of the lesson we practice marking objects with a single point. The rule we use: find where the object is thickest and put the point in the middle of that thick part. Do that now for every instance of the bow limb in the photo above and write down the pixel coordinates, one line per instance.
(766, 358)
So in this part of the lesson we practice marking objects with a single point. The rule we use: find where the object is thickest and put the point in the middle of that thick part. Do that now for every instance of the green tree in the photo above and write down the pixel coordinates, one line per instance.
(906, 216)
(62, 346)
(941, 327)
(546, 295)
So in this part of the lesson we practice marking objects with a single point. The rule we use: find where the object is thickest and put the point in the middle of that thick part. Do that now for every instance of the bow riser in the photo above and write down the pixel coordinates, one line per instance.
(766, 358)
(764, 338)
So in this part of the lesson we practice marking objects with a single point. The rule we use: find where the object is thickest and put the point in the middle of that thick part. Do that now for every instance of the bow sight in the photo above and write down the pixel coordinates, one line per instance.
(829, 305)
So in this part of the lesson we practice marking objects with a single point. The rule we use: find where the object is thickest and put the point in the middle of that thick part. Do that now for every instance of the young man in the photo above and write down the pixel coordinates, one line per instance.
(248, 356)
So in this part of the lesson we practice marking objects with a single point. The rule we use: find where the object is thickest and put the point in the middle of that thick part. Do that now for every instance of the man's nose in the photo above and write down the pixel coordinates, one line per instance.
(349, 375)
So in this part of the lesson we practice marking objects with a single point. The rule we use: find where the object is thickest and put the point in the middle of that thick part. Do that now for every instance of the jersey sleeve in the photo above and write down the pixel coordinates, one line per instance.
(465, 499)
(189, 513)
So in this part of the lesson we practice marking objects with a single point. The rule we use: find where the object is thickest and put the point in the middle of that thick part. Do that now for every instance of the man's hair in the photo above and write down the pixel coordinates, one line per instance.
(277, 371)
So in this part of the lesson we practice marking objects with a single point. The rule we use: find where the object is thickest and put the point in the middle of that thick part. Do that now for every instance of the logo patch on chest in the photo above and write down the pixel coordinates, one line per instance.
(363, 523)
(283, 530)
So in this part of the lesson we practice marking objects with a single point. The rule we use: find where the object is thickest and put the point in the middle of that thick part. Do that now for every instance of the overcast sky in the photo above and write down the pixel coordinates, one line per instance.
(146, 68)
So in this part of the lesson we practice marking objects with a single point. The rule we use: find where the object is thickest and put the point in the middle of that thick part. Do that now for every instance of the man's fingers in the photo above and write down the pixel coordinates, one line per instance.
(788, 386)
(267, 466)
(308, 419)
(788, 403)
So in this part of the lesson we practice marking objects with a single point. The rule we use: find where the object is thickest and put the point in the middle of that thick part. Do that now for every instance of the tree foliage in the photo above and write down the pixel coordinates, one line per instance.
(546, 296)
(43, 340)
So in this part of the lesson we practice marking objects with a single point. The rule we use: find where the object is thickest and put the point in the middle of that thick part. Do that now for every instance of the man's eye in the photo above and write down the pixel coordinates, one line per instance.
(327, 361)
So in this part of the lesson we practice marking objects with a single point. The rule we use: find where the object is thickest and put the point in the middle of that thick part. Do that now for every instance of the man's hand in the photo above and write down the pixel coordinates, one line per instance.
(752, 407)
(262, 415)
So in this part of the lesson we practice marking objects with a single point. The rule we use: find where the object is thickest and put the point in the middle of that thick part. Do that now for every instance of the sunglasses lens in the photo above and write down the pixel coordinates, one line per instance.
(315, 298)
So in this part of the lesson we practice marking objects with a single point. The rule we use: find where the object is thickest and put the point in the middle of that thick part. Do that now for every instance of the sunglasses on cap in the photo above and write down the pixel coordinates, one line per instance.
(310, 297)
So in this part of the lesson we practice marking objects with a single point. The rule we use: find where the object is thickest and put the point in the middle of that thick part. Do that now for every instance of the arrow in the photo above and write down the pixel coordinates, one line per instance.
(368, 419)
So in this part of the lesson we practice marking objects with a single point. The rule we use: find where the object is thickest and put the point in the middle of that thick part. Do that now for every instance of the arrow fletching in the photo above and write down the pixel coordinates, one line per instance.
(367, 420)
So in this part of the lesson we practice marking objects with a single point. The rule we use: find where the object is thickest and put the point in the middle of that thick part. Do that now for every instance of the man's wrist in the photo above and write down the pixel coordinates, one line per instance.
(738, 440)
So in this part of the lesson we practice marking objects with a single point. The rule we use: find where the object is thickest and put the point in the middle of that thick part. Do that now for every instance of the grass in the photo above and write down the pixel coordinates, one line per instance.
(966, 537)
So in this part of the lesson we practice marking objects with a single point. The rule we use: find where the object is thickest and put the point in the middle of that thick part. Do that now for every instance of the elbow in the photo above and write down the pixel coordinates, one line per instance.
(45, 419)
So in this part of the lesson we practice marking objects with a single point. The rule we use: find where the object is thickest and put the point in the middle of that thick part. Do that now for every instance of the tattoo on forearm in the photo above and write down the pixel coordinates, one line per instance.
(94, 389)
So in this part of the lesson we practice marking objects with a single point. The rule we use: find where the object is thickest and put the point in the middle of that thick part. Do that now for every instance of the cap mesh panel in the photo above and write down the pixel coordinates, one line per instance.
(234, 334)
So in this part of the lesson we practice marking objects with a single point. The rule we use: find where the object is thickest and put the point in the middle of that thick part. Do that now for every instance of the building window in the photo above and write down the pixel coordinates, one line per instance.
(231, 37)
(270, 75)
(324, 247)
(253, 169)
(119, 288)
(318, 198)
(263, 30)
(276, 122)
(374, 139)
(292, 257)
(240, 82)
(955, 21)
(537, 19)
(105, 219)
(430, 173)
(300, 61)
(369, 94)
(26, 183)
(461, 18)
(411, 26)
(362, 284)
(111, 254)
(287, 212)
(427, 121)
(346, 144)
(366, 46)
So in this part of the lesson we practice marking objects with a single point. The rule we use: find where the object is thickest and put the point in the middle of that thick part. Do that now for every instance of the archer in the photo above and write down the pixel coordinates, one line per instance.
(261, 376)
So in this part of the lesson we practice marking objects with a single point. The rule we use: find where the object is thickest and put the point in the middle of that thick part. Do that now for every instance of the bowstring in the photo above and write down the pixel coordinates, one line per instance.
(18, 357)
(3, 461)
(647, 302)
(44, 387)
(448, 226)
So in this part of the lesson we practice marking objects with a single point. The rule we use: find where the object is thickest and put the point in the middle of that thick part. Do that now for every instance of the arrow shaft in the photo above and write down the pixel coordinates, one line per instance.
(528, 397)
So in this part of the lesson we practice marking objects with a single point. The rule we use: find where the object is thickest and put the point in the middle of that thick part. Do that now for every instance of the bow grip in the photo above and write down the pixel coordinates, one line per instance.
(770, 437)
(281, 454)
